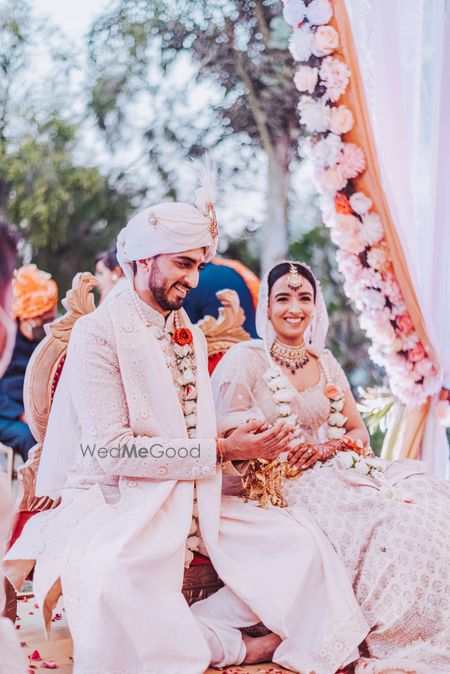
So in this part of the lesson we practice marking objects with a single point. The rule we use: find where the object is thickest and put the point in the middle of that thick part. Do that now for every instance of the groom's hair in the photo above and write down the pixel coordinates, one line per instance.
(284, 268)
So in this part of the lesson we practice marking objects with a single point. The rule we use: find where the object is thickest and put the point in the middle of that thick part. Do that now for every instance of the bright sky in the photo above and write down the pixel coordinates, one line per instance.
(74, 17)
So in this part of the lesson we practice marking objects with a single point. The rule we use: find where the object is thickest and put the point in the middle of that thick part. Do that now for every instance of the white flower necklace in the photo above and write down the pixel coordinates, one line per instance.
(283, 394)
(181, 340)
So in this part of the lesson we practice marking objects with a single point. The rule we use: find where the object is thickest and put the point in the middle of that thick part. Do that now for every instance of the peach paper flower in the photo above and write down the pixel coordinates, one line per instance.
(332, 392)
(325, 41)
(351, 160)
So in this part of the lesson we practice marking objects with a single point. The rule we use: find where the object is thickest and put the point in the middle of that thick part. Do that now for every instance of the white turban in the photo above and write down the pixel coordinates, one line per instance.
(172, 227)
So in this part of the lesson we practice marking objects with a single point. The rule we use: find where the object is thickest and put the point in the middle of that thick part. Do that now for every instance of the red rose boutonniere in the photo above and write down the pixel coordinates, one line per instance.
(182, 336)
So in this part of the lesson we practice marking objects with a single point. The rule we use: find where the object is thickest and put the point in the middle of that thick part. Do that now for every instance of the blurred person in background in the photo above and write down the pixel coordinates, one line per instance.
(11, 658)
(218, 275)
(108, 273)
(35, 297)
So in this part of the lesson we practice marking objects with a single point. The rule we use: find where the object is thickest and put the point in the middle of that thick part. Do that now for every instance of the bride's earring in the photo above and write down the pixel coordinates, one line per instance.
(114, 277)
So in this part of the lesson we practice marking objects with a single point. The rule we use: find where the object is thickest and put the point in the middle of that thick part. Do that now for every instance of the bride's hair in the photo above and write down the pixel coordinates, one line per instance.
(284, 268)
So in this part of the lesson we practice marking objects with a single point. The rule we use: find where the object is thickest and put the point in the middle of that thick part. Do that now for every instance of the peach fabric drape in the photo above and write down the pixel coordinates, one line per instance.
(409, 436)
(370, 181)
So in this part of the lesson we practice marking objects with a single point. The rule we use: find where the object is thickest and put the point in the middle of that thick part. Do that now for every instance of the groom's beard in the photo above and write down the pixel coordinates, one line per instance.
(160, 289)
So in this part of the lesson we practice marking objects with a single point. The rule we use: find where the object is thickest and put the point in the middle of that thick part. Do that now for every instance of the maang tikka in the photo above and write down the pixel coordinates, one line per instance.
(294, 279)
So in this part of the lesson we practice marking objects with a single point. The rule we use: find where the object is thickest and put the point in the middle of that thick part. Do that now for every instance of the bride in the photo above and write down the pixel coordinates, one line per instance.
(389, 522)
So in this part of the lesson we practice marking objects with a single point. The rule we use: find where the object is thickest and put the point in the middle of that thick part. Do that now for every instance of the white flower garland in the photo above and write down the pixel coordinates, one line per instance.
(283, 395)
(322, 78)
(185, 363)
(187, 381)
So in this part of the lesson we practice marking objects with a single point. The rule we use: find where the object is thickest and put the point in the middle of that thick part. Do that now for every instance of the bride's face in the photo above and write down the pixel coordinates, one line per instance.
(291, 311)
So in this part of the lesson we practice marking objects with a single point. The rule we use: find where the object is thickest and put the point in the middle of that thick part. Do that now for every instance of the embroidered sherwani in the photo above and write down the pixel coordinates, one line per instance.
(117, 541)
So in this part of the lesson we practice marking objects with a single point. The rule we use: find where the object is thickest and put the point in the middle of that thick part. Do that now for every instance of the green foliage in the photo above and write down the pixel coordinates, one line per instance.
(65, 212)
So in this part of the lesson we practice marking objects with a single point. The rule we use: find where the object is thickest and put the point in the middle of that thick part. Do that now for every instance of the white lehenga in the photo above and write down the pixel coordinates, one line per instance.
(392, 533)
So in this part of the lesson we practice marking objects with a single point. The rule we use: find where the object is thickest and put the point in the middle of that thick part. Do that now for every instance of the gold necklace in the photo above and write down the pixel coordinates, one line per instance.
(292, 357)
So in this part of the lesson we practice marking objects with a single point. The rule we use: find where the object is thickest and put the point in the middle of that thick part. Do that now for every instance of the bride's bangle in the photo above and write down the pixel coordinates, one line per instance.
(348, 444)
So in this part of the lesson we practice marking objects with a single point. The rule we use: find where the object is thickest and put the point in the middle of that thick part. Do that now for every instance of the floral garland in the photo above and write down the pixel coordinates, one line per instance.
(363, 256)
(185, 361)
(263, 480)
(283, 394)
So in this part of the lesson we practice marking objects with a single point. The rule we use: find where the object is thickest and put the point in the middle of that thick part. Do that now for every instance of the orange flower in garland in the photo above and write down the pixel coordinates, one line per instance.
(342, 204)
(182, 336)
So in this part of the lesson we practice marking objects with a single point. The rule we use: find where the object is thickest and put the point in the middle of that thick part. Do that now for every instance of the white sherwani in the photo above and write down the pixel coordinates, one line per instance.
(117, 541)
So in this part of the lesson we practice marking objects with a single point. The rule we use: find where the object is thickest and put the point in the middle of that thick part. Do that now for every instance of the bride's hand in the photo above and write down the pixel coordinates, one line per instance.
(303, 456)
(306, 455)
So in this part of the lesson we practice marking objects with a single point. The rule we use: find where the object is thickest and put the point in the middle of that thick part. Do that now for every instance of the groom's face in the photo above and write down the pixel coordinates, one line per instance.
(172, 276)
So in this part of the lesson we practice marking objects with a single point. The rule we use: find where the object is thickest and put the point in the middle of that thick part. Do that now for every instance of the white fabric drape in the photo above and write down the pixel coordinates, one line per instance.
(404, 54)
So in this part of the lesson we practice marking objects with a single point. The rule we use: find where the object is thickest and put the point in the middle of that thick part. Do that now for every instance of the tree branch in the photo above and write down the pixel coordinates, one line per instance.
(262, 23)
(255, 104)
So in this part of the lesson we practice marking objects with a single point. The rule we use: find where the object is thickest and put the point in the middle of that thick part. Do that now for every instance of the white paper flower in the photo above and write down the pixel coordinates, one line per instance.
(360, 203)
(341, 120)
(189, 407)
(300, 43)
(337, 405)
(351, 160)
(326, 151)
(271, 373)
(191, 420)
(283, 410)
(284, 395)
(362, 467)
(181, 350)
(281, 382)
(314, 115)
(335, 432)
(293, 12)
(305, 78)
(378, 257)
(188, 377)
(319, 12)
(271, 383)
(372, 230)
(335, 75)
(184, 363)
(336, 419)
(373, 298)
(332, 180)
(347, 459)
(325, 41)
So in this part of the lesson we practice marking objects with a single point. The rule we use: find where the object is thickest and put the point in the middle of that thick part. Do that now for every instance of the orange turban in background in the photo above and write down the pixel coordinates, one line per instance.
(34, 292)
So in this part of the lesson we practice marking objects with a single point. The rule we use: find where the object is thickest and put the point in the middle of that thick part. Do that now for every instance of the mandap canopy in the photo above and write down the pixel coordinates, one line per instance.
(375, 82)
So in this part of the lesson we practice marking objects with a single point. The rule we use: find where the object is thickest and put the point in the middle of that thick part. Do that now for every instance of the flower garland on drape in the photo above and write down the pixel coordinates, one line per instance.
(363, 256)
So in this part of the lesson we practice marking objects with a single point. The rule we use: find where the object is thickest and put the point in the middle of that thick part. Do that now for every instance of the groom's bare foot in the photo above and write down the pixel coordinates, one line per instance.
(260, 649)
